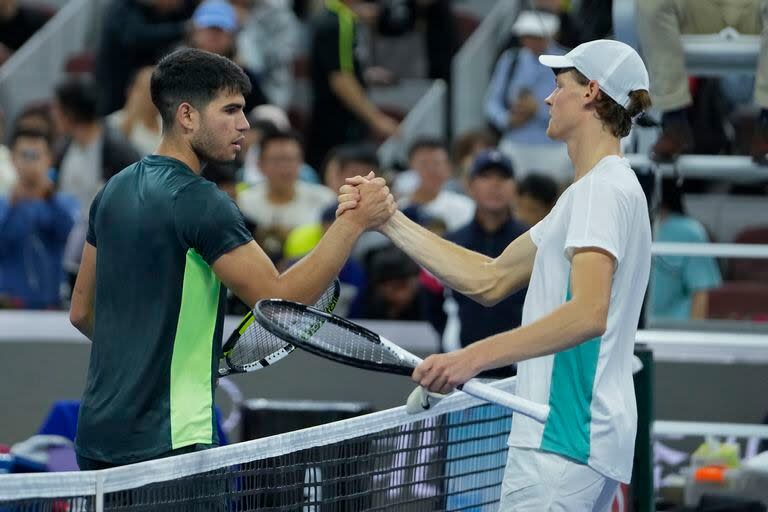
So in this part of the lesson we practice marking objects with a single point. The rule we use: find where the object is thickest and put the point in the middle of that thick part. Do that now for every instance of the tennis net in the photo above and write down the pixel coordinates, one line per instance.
(449, 458)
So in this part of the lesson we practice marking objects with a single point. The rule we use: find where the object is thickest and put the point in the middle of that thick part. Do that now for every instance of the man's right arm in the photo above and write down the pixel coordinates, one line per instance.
(484, 279)
(250, 274)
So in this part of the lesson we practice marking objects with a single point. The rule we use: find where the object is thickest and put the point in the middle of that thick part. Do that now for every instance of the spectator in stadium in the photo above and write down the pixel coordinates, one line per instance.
(263, 119)
(536, 196)
(660, 24)
(35, 222)
(38, 116)
(429, 158)
(467, 146)
(18, 22)
(514, 103)
(139, 120)
(492, 186)
(214, 28)
(136, 33)
(93, 152)
(268, 43)
(341, 110)
(281, 202)
(393, 291)
(680, 284)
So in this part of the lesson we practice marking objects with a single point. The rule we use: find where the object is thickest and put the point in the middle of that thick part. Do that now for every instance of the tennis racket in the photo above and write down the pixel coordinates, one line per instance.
(250, 347)
(338, 339)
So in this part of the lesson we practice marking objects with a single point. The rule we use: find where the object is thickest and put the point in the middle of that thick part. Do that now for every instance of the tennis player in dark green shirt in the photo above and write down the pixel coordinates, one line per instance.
(161, 243)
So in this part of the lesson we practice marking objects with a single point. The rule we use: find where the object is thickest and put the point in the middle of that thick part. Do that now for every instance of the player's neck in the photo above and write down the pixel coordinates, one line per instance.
(588, 145)
(179, 149)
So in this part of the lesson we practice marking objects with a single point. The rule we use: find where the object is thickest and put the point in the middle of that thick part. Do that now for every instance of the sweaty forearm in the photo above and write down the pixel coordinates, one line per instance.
(567, 326)
(465, 271)
(306, 280)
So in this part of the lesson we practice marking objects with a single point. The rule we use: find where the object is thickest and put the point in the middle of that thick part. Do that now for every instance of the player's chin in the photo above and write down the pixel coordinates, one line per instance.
(552, 131)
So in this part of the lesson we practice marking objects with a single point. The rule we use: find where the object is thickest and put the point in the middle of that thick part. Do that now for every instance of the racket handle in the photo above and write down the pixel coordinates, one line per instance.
(536, 411)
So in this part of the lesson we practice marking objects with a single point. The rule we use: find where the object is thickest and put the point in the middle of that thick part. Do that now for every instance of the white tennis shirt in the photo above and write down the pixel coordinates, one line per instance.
(589, 388)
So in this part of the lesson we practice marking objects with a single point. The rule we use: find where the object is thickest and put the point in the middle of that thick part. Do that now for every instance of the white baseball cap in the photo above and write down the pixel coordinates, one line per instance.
(616, 67)
(536, 23)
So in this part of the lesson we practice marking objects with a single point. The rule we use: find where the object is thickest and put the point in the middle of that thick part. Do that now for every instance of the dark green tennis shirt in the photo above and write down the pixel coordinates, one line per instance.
(158, 311)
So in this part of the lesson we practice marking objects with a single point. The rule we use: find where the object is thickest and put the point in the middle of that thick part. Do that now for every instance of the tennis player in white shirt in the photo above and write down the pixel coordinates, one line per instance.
(586, 266)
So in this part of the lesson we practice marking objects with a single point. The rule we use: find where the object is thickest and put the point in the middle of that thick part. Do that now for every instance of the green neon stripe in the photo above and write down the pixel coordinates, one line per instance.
(191, 393)
(346, 34)
(567, 430)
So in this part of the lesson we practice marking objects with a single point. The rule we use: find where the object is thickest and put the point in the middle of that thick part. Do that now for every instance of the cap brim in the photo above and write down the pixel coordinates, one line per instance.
(556, 61)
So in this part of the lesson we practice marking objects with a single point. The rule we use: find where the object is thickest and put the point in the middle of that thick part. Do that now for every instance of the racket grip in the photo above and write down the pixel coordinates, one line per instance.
(536, 411)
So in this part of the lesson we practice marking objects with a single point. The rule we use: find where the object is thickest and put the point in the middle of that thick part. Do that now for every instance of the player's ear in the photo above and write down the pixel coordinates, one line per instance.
(188, 117)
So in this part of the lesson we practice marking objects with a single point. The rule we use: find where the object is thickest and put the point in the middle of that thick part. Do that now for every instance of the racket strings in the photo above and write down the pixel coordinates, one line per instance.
(256, 343)
(330, 335)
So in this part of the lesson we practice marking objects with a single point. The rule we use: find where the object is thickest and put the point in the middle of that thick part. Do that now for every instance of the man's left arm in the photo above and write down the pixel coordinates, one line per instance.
(581, 318)
(81, 310)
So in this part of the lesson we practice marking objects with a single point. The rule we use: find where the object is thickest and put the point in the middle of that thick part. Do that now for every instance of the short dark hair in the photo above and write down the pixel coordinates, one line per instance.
(614, 116)
(196, 77)
(29, 133)
(79, 99)
(270, 136)
(672, 196)
(540, 187)
(357, 153)
(426, 143)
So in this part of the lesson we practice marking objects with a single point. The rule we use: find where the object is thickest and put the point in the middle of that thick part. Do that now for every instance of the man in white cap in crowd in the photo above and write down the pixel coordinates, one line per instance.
(586, 265)
(514, 104)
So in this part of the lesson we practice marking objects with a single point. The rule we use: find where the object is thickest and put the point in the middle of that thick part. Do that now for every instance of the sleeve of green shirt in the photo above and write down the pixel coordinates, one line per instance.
(208, 221)
(336, 44)
(91, 234)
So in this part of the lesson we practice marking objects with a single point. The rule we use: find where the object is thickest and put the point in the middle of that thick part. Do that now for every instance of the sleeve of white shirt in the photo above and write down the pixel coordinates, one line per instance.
(598, 219)
(538, 230)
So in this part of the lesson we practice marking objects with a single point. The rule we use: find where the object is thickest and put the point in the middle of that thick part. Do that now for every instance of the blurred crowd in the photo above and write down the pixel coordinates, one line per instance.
(481, 190)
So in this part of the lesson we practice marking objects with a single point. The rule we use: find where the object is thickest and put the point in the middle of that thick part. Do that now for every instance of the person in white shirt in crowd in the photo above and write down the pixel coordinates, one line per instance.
(429, 158)
(282, 202)
(514, 103)
(262, 119)
(138, 120)
(586, 265)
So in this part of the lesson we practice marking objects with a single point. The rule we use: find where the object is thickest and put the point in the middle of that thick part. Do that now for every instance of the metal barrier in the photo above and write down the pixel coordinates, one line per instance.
(427, 118)
(33, 70)
(736, 169)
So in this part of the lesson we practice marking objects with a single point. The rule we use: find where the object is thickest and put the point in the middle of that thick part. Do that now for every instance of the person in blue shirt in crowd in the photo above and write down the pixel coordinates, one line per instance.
(514, 104)
(35, 222)
(492, 186)
(680, 284)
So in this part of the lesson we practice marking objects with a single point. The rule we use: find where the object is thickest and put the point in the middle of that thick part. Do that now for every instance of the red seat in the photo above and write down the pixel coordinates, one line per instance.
(743, 269)
(739, 300)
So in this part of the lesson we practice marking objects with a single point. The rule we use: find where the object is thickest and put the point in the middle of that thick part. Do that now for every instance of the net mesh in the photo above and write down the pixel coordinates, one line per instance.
(330, 334)
(256, 343)
(452, 460)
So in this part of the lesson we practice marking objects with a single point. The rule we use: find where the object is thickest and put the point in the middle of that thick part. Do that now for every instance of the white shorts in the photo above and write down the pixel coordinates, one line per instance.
(537, 481)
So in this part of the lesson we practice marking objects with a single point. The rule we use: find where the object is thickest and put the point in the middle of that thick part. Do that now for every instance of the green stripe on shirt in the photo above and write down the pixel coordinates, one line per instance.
(568, 427)
(191, 394)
